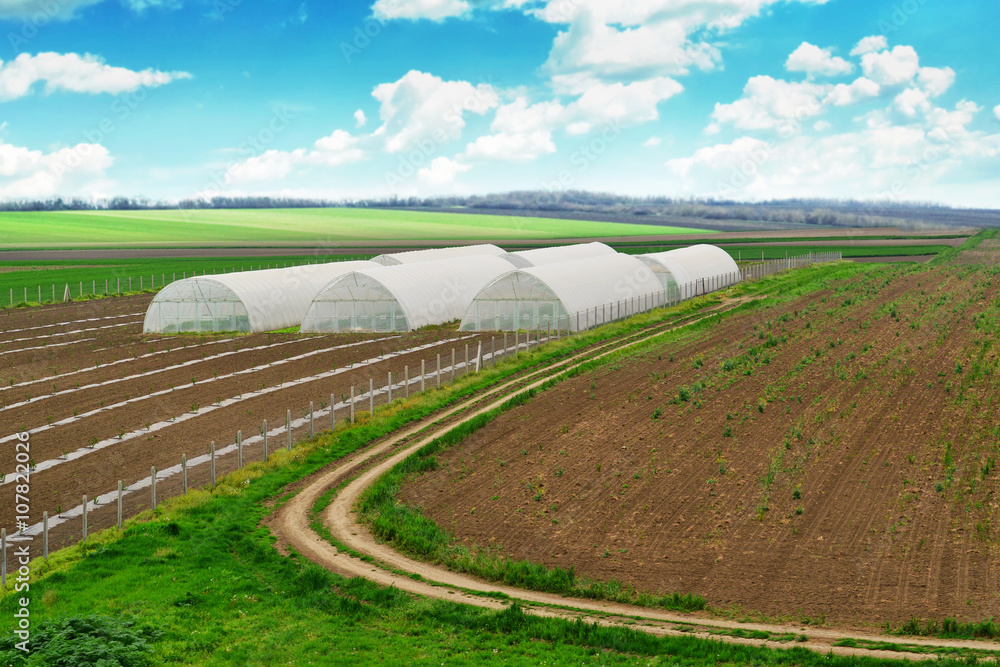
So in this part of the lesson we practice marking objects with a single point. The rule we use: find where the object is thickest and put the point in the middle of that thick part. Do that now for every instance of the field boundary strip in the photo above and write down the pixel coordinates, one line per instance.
(166, 473)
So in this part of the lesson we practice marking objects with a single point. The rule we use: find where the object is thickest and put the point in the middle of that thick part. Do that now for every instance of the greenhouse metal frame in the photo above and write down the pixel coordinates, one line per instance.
(245, 302)
(435, 254)
(403, 297)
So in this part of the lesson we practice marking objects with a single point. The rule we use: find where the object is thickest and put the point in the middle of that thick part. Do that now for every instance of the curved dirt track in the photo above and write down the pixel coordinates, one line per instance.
(291, 525)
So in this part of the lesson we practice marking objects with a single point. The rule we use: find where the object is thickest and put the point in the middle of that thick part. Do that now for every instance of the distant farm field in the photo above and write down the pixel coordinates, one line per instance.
(282, 227)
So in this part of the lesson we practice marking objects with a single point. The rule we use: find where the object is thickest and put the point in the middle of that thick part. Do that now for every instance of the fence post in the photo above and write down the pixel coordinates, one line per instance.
(184, 472)
(152, 486)
(466, 359)
(423, 372)
(84, 519)
(352, 403)
(333, 412)
(371, 397)
(45, 535)
(516, 343)
(437, 377)
(119, 504)
(312, 428)
(389, 387)
(452, 364)
(406, 379)
(288, 427)
(265, 439)
(3, 565)
(239, 450)
(213, 462)
(505, 346)
(479, 357)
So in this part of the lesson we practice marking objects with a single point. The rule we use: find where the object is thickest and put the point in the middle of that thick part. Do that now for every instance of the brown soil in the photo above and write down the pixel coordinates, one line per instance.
(63, 486)
(843, 477)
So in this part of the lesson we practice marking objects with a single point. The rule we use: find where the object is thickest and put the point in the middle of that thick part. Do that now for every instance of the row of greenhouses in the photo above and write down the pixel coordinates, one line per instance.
(571, 287)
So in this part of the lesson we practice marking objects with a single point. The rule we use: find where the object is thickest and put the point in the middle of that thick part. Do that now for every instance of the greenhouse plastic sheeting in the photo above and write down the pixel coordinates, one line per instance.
(571, 295)
(249, 301)
(697, 269)
(403, 297)
(434, 254)
(566, 253)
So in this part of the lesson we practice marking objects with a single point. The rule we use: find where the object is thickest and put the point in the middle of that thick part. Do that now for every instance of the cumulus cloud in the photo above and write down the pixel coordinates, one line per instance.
(934, 81)
(652, 142)
(860, 89)
(722, 156)
(30, 174)
(421, 107)
(891, 68)
(813, 60)
(360, 119)
(996, 111)
(73, 73)
(870, 45)
(769, 103)
(912, 100)
(442, 171)
(521, 132)
(338, 148)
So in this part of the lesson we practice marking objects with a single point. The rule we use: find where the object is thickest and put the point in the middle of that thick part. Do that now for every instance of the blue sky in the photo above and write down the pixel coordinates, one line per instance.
(741, 99)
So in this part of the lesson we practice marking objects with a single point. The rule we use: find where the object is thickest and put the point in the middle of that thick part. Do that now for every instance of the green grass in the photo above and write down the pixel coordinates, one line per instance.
(276, 227)
(64, 272)
(774, 250)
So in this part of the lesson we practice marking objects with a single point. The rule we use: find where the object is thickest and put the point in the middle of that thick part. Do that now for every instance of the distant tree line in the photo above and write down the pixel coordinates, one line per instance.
(715, 213)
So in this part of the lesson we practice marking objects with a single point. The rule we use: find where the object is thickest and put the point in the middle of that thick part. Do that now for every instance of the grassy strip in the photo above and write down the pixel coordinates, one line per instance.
(949, 628)
(970, 654)
(971, 244)
(781, 252)
(70, 272)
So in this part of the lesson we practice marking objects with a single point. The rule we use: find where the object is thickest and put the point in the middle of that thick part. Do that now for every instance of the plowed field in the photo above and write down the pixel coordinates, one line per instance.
(88, 385)
(831, 456)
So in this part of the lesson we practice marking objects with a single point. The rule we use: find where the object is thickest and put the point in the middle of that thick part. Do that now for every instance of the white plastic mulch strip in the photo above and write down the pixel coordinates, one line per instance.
(63, 324)
(74, 331)
(145, 483)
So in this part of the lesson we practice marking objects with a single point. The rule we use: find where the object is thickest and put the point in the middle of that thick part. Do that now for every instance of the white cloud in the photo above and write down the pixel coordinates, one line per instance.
(860, 89)
(891, 68)
(28, 174)
(652, 142)
(769, 103)
(935, 81)
(421, 107)
(813, 60)
(360, 119)
(76, 74)
(912, 100)
(822, 126)
(337, 149)
(623, 103)
(435, 10)
(996, 111)
(870, 45)
(442, 171)
(522, 132)
(722, 156)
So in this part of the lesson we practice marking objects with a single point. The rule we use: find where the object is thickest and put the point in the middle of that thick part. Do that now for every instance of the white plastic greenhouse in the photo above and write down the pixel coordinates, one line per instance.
(566, 253)
(247, 302)
(572, 296)
(434, 254)
(403, 297)
(698, 269)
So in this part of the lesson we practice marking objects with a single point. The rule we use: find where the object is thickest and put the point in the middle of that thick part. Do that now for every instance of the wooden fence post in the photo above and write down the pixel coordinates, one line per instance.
(288, 427)
(437, 377)
(213, 462)
(84, 519)
(371, 397)
(423, 372)
(45, 535)
(352, 403)
(184, 473)
(119, 504)
(152, 487)
(312, 427)
(265, 441)
(239, 450)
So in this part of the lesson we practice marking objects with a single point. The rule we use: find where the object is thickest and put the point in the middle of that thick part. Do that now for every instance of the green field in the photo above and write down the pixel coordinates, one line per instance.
(288, 227)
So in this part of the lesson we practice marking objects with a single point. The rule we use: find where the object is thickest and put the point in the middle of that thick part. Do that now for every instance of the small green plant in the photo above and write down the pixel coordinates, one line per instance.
(657, 413)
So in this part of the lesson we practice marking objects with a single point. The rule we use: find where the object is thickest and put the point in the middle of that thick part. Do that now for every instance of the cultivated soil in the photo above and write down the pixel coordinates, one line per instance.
(827, 459)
